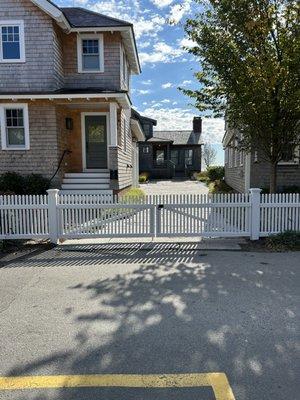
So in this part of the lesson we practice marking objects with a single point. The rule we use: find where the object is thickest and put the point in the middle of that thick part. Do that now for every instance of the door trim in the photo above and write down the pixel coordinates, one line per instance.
(83, 141)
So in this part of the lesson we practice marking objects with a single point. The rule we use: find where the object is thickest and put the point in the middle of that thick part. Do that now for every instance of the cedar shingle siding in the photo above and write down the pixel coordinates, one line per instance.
(44, 144)
(51, 55)
(51, 64)
(38, 72)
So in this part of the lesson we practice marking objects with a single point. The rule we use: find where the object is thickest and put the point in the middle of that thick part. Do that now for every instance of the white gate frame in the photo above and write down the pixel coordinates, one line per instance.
(55, 225)
(59, 216)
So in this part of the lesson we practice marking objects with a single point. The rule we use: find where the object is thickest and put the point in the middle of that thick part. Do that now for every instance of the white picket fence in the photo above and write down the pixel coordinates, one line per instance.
(57, 216)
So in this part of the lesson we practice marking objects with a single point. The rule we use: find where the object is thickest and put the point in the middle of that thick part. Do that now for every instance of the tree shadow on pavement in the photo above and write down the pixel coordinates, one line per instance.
(203, 314)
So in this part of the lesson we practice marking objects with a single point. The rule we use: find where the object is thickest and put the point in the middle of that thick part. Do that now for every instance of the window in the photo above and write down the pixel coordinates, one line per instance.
(290, 155)
(12, 48)
(174, 156)
(14, 127)
(124, 67)
(188, 157)
(255, 156)
(160, 156)
(146, 150)
(242, 156)
(90, 53)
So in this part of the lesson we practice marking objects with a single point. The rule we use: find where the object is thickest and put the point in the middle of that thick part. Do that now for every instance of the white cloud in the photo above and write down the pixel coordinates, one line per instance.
(146, 23)
(167, 85)
(142, 91)
(147, 82)
(144, 45)
(181, 119)
(185, 42)
(149, 27)
(178, 11)
(162, 3)
(162, 52)
(186, 82)
(166, 101)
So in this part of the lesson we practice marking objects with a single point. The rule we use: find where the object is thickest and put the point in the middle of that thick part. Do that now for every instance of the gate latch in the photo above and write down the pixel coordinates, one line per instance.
(160, 206)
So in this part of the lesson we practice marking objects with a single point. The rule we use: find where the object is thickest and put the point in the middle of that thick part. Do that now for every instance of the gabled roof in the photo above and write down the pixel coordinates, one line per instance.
(76, 19)
(142, 118)
(178, 137)
(79, 17)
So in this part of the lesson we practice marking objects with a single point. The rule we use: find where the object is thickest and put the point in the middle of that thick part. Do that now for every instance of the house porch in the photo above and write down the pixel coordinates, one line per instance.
(61, 129)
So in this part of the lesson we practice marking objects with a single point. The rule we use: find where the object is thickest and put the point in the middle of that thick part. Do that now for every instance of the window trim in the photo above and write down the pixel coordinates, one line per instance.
(91, 36)
(124, 72)
(296, 158)
(4, 142)
(177, 156)
(190, 158)
(20, 24)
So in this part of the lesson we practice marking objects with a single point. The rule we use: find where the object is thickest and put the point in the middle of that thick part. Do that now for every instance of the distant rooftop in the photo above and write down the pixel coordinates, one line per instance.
(177, 137)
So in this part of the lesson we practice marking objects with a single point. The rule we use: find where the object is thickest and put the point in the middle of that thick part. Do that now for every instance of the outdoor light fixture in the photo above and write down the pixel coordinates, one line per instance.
(69, 124)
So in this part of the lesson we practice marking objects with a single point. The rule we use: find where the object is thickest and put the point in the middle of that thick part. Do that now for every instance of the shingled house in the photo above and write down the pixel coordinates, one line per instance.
(65, 96)
(169, 154)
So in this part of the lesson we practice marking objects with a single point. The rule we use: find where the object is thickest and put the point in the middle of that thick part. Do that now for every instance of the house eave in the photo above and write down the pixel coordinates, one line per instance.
(137, 130)
(54, 12)
(121, 97)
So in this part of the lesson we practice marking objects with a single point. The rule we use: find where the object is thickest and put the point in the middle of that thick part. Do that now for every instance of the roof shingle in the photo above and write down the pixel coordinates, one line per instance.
(81, 18)
(179, 137)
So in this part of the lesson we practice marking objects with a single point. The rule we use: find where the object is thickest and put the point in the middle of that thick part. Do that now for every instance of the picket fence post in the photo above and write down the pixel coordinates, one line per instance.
(255, 213)
(53, 215)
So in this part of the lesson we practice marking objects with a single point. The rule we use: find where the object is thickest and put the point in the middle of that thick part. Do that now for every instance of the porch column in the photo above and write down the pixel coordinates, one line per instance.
(113, 122)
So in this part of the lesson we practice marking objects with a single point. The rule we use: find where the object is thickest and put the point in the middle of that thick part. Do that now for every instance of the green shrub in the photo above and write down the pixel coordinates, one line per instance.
(215, 173)
(219, 186)
(36, 184)
(144, 177)
(201, 176)
(14, 183)
(288, 240)
(133, 193)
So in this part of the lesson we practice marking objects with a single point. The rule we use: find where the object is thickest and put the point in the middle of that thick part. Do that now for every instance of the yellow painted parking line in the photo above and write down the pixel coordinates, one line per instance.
(218, 382)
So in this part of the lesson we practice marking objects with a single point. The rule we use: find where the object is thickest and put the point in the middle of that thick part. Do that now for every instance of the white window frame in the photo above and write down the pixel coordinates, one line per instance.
(20, 24)
(124, 73)
(4, 142)
(90, 36)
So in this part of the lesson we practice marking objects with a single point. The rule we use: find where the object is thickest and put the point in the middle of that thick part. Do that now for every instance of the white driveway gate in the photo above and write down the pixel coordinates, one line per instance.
(58, 216)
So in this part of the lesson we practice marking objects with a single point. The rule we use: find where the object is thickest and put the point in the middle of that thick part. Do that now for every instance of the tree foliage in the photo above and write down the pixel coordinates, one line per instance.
(249, 52)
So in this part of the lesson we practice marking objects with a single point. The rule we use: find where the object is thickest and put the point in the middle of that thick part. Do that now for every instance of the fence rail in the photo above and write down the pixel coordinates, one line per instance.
(57, 216)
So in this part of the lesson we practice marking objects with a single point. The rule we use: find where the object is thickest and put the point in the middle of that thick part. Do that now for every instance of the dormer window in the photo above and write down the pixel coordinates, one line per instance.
(12, 48)
(90, 53)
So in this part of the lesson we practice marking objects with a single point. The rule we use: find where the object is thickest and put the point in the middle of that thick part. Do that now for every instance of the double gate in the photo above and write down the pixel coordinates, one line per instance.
(154, 216)
(57, 216)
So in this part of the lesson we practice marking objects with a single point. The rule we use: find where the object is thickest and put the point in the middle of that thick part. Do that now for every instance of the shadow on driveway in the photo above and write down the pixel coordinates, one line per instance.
(178, 310)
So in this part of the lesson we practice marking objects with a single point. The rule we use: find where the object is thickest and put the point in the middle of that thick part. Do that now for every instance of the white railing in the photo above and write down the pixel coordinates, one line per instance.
(57, 216)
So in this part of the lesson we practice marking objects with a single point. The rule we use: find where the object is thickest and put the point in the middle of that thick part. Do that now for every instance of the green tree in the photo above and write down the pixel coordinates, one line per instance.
(249, 54)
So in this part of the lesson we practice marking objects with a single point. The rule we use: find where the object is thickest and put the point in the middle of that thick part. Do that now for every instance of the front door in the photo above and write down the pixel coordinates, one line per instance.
(95, 141)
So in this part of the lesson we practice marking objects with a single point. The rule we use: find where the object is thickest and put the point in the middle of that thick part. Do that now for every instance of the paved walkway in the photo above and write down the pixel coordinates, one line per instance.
(174, 187)
(118, 309)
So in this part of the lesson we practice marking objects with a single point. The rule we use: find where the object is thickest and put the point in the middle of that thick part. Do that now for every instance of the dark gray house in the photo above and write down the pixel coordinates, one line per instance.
(169, 154)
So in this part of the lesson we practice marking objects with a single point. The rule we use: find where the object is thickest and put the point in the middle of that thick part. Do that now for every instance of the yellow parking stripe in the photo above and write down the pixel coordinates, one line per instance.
(218, 382)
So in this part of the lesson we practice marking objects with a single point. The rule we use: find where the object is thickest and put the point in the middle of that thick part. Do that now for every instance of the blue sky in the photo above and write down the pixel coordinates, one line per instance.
(165, 64)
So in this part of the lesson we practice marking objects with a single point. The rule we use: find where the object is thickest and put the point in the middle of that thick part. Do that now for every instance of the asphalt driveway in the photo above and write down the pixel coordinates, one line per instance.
(179, 186)
(117, 309)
